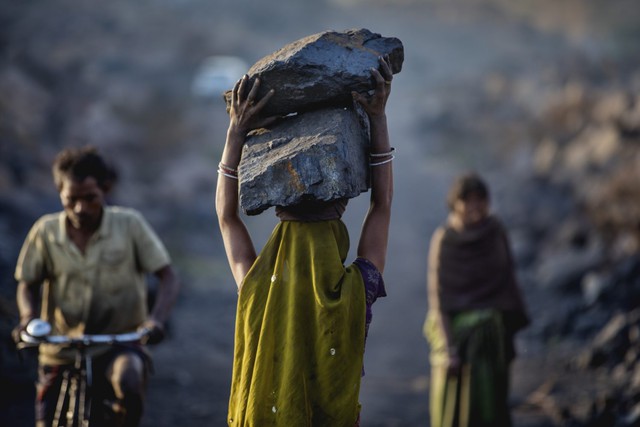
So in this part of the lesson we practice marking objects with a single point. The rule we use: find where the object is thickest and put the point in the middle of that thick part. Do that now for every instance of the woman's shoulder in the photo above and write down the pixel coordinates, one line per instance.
(440, 233)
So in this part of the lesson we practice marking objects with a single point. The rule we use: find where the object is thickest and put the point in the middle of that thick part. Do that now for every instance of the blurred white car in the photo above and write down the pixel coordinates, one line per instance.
(217, 74)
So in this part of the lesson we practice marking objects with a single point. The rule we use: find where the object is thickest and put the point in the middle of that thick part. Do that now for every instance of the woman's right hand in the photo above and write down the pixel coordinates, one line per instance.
(375, 104)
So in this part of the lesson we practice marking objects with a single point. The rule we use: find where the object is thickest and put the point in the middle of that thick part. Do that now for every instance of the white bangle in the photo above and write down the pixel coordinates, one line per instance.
(389, 153)
(382, 162)
(227, 168)
(228, 175)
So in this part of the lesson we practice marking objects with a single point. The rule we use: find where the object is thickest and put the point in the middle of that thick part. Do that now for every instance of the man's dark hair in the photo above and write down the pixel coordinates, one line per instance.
(466, 185)
(81, 163)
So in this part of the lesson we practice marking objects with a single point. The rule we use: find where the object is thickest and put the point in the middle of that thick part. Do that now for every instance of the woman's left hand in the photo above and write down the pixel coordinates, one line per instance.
(245, 113)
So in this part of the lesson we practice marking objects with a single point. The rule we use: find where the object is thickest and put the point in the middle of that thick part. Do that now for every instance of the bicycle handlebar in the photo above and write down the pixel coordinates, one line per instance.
(85, 340)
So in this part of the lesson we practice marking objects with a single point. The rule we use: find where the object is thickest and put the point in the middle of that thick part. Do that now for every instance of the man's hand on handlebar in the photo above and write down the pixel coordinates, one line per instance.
(15, 333)
(19, 329)
(154, 331)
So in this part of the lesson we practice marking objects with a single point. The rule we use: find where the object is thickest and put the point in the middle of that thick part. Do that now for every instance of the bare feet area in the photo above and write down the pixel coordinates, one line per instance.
(494, 86)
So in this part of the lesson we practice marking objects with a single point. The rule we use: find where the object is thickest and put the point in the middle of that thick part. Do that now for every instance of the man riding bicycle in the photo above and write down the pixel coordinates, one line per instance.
(85, 267)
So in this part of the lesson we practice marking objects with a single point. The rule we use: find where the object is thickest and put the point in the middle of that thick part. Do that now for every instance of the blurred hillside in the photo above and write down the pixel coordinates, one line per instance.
(542, 97)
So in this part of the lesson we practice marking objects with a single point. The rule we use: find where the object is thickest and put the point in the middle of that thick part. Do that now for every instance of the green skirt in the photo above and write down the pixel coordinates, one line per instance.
(477, 396)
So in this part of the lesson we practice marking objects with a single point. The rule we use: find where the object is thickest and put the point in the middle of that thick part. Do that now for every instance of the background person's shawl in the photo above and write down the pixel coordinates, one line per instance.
(300, 331)
(473, 269)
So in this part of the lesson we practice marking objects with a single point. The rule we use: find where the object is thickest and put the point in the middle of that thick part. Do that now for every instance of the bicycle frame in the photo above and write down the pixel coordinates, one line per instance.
(77, 380)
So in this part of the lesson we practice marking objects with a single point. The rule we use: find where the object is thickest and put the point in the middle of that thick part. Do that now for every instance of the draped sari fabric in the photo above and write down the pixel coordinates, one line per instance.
(300, 331)
(477, 396)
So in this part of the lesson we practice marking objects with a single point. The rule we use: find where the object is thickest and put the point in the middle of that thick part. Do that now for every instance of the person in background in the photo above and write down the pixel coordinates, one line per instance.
(475, 309)
(85, 268)
(302, 315)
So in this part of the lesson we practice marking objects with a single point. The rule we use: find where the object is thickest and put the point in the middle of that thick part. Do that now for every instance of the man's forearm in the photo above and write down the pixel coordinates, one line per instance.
(27, 300)
(167, 294)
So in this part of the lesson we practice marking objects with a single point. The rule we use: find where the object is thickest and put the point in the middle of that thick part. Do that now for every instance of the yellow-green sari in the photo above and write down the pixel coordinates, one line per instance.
(300, 331)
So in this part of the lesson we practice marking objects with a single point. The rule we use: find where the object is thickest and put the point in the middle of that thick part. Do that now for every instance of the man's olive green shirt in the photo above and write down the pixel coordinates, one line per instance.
(100, 291)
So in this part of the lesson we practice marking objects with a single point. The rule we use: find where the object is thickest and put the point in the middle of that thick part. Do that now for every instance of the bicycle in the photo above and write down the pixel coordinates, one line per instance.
(76, 381)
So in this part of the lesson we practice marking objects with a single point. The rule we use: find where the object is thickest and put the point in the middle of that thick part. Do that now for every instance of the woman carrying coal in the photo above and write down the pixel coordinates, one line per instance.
(475, 309)
(302, 314)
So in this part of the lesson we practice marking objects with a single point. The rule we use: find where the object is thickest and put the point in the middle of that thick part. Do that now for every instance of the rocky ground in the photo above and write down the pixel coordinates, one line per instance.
(541, 98)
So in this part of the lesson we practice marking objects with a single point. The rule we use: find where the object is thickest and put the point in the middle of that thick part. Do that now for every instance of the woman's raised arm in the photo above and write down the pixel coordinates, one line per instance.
(244, 116)
(375, 229)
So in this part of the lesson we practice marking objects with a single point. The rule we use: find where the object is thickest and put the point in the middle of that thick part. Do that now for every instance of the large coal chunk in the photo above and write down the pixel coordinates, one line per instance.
(314, 156)
(321, 70)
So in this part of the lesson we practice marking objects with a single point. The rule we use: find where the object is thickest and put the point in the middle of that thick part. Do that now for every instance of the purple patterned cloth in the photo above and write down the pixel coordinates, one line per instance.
(374, 289)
